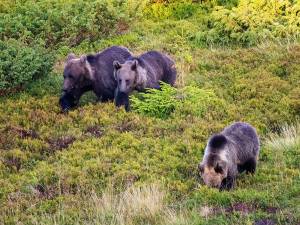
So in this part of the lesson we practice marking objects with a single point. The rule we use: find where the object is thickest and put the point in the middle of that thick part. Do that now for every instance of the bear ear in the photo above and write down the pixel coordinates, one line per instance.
(71, 56)
(134, 64)
(217, 141)
(117, 65)
(83, 59)
(87, 66)
(141, 78)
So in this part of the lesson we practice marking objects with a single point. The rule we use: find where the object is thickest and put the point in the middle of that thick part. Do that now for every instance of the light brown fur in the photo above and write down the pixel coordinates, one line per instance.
(211, 178)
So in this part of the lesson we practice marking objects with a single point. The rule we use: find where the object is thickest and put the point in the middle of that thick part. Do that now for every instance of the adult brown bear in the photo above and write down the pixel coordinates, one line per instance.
(144, 71)
(91, 73)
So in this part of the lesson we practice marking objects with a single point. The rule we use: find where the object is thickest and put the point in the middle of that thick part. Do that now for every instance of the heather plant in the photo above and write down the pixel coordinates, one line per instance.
(198, 102)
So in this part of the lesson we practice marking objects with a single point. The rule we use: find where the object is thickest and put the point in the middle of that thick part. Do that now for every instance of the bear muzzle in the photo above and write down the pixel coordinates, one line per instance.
(67, 101)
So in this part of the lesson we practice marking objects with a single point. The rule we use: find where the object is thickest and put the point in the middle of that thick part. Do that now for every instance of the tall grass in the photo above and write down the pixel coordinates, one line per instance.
(146, 204)
(288, 137)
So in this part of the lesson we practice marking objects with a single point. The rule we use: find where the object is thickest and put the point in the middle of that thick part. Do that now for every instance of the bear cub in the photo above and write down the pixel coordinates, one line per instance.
(139, 73)
(229, 153)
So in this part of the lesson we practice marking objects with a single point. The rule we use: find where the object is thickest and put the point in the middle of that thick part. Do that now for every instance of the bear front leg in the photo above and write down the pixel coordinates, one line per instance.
(156, 86)
(122, 99)
(250, 166)
(106, 98)
(227, 183)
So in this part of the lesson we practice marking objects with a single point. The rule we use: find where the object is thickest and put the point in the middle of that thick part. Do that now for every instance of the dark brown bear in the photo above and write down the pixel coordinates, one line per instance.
(145, 71)
(91, 73)
(228, 153)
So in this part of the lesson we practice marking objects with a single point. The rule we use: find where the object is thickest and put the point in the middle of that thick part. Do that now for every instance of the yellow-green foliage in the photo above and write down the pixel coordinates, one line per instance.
(253, 21)
(259, 83)
(181, 9)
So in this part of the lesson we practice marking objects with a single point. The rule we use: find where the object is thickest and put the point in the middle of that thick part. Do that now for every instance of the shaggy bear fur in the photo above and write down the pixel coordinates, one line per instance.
(145, 71)
(91, 73)
(228, 153)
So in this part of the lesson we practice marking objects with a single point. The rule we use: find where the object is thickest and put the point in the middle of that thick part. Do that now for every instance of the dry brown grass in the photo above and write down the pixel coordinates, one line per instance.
(146, 204)
(136, 203)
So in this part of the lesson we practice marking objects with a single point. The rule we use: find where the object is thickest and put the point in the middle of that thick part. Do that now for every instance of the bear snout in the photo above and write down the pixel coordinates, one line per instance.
(123, 88)
(67, 101)
(122, 99)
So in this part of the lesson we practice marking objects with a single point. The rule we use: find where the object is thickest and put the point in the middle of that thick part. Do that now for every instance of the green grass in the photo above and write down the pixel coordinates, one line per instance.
(101, 165)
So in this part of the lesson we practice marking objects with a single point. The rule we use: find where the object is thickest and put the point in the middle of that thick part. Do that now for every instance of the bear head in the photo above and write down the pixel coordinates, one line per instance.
(214, 167)
(77, 75)
(214, 171)
(130, 75)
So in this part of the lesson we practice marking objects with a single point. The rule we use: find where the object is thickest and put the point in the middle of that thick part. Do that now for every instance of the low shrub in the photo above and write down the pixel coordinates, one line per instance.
(5, 5)
(171, 9)
(189, 100)
(210, 4)
(156, 103)
(200, 103)
(251, 22)
(20, 64)
(64, 22)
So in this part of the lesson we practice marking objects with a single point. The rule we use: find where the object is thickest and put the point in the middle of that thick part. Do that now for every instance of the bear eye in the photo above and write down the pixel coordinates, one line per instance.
(71, 76)
(120, 80)
(127, 81)
(219, 169)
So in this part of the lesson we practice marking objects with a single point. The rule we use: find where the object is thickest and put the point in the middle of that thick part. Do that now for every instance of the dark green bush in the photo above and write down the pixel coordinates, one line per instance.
(20, 64)
(59, 22)
(227, 2)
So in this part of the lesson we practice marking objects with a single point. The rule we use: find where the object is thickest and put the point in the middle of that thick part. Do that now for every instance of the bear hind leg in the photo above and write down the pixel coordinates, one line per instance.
(249, 166)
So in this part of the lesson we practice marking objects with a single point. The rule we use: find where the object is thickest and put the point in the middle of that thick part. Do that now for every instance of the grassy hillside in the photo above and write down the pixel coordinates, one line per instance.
(102, 165)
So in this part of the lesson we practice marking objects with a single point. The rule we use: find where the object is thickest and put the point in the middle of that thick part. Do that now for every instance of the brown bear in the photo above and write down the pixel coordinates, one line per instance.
(228, 153)
(94, 72)
(144, 71)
